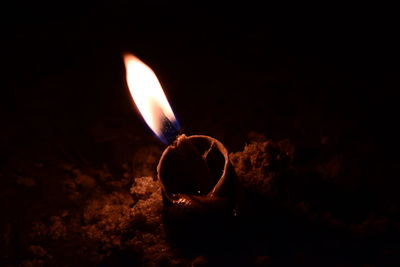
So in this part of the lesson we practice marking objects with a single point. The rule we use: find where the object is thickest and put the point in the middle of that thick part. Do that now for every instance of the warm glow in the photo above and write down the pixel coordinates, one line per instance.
(149, 96)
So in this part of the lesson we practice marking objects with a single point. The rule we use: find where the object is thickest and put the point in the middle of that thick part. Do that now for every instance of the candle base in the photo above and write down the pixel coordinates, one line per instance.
(197, 186)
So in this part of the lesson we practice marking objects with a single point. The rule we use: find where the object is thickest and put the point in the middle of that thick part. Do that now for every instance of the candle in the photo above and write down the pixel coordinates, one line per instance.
(194, 171)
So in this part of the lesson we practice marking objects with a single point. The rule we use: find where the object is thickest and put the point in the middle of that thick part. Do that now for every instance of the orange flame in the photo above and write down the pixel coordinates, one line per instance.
(148, 95)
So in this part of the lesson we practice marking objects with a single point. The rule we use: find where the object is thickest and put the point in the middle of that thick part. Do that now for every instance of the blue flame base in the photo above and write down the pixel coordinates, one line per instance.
(170, 130)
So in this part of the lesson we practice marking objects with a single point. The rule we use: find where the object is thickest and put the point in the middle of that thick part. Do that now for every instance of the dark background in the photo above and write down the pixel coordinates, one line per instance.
(309, 73)
(256, 67)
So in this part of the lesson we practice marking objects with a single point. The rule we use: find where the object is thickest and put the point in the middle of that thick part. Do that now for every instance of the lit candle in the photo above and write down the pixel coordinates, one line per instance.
(194, 171)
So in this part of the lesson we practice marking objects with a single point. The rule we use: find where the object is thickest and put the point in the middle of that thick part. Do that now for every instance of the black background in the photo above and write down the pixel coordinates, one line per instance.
(250, 64)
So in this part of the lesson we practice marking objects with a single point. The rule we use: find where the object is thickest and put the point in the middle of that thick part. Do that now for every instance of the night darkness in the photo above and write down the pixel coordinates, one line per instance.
(327, 82)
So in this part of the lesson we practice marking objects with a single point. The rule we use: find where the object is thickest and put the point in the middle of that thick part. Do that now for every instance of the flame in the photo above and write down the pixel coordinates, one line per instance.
(150, 99)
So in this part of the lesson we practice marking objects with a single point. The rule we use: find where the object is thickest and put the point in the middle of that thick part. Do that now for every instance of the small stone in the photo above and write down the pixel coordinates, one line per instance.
(84, 180)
